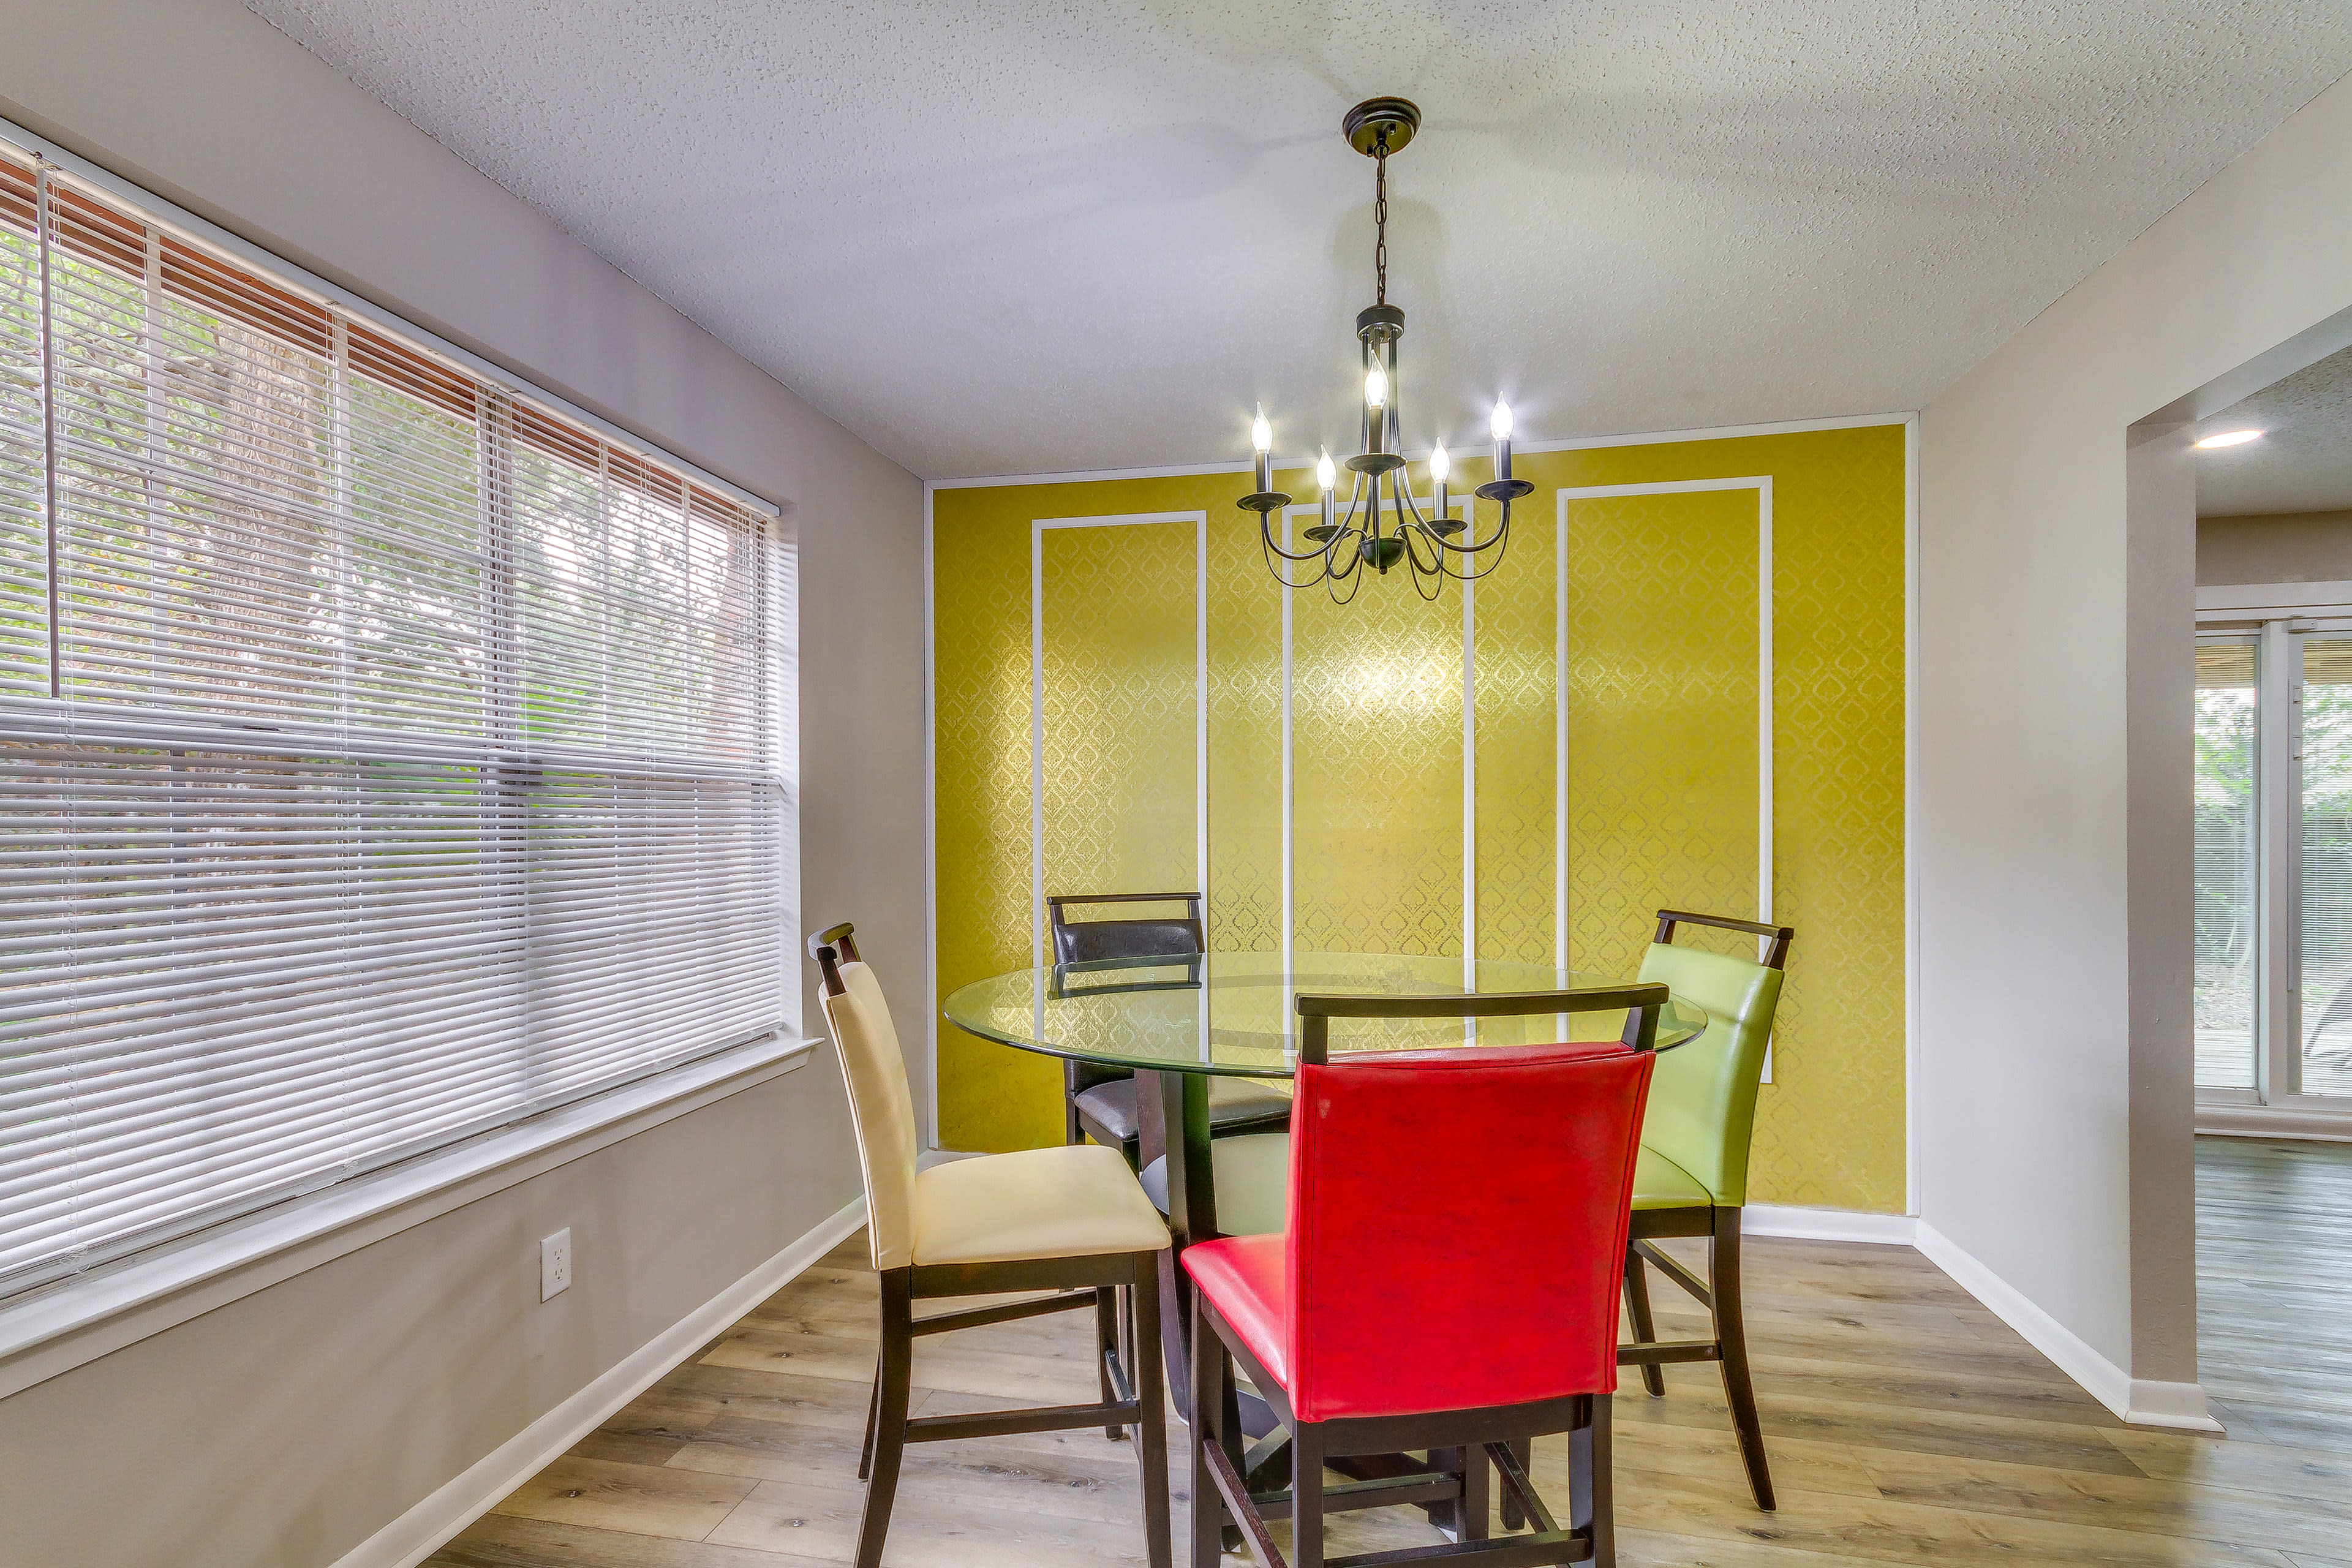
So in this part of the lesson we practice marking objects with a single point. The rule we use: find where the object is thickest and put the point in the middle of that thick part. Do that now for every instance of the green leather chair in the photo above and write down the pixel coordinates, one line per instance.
(1692, 1176)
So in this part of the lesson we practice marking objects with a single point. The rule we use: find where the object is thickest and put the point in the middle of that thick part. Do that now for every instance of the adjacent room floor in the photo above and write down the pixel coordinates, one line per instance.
(2274, 1293)
(1907, 1424)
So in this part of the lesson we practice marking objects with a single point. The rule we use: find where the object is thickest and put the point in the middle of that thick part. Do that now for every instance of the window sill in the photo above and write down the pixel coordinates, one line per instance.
(2225, 1121)
(67, 1324)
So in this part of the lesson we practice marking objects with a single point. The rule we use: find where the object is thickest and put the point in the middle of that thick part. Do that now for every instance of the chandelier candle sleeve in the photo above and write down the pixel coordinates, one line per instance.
(1440, 468)
(1262, 441)
(1501, 426)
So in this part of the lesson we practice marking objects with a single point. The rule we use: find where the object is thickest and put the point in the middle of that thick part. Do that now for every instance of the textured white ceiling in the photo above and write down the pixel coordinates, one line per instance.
(2303, 461)
(1022, 236)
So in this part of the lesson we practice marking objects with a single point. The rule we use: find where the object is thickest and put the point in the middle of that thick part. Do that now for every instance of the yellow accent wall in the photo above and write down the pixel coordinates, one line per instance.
(1659, 586)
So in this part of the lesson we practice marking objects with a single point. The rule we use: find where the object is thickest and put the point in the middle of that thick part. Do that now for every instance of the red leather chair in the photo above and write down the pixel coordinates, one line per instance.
(1449, 1280)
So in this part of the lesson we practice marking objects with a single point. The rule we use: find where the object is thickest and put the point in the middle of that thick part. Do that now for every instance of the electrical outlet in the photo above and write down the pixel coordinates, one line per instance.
(555, 1263)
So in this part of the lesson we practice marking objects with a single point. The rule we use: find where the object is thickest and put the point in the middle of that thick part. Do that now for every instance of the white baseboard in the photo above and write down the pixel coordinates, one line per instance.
(1828, 1225)
(2140, 1400)
(426, 1528)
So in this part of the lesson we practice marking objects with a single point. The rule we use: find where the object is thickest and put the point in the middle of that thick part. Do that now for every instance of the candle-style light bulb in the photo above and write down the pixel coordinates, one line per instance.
(1440, 468)
(1376, 387)
(1327, 474)
(1500, 424)
(1261, 443)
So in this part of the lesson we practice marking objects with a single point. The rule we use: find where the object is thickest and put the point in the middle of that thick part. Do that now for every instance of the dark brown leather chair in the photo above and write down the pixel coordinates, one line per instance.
(1098, 1102)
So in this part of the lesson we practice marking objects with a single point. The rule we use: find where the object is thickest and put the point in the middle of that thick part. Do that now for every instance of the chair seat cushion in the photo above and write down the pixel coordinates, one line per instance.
(1660, 1183)
(1243, 1277)
(1073, 1201)
(1253, 1180)
(1233, 1101)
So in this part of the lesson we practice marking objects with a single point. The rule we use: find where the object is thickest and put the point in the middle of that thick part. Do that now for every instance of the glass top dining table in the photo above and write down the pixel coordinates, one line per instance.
(1235, 1014)
(1181, 1022)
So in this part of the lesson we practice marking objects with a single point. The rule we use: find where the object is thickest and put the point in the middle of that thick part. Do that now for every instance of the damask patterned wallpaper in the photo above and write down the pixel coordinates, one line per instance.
(1659, 592)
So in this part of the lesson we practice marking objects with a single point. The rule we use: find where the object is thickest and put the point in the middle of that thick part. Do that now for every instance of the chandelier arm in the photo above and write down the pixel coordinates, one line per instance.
(1355, 498)
(1486, 571)
(1434, 573)
(1355, 556)
(1355, 585)
(1501, 528)
(1414, 538)
(1275, 571)
(1404, 493)
(1266, 536)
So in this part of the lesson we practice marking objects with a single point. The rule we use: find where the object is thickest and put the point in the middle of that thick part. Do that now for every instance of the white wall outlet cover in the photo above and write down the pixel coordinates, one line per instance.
(555, 1263)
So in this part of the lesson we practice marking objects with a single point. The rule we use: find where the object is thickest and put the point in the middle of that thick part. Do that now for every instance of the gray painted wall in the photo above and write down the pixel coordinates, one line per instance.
(2292, 547)
(2052, 799)
(290, 1426)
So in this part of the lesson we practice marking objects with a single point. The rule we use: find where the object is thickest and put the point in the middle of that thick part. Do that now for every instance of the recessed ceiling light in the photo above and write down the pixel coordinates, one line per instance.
(2228, 438)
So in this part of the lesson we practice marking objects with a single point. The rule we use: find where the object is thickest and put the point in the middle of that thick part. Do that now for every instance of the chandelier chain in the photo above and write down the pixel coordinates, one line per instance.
(1381, 221)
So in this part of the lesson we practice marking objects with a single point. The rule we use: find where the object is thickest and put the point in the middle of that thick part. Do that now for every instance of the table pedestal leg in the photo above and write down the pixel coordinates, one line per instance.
(1179, 1131)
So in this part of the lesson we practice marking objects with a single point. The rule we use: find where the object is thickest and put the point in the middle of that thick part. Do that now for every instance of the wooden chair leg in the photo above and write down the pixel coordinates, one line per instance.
(1731, 1335)
(1580, 1497)
(1472, 1513)
(1151, 1449)
(890, 1414)
(1208, 1427)
(1601, 1486)
(873, 1403)
(1637, 1313)
(1106, 1346)
(1307, 1496)
(1515, 1516)
(1127, 1329)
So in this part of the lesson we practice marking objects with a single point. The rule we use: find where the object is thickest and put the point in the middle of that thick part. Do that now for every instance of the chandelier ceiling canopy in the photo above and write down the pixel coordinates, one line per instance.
(1430, 547)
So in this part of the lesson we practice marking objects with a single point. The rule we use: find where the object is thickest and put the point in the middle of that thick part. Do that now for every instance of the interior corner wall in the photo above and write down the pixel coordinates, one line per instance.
(2053, 1111)
(289, 1426)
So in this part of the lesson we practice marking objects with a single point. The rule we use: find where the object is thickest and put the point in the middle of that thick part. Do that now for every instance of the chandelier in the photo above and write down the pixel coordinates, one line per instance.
(1346, 545)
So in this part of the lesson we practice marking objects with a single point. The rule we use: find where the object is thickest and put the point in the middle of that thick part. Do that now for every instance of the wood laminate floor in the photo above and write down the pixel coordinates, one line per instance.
(1906, 1425)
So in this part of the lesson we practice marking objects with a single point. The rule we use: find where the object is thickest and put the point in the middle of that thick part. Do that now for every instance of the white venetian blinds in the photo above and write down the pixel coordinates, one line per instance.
(383, 755)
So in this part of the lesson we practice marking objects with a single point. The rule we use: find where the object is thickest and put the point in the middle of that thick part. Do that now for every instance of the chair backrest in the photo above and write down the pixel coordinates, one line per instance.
(1085, 941)
(881, 1106)
(1702, 1111)
(1091, 941)
(1457, 1226)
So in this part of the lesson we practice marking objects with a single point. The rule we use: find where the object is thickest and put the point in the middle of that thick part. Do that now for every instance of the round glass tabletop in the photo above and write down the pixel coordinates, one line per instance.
(1237, 1013)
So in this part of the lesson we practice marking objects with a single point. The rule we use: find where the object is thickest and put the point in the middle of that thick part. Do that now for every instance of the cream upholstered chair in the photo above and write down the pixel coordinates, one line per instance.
(1070, 1219)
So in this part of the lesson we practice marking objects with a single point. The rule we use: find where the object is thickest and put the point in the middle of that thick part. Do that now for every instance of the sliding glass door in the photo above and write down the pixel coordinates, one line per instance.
(2274, 865)
(2229, 913)
(2323, 916)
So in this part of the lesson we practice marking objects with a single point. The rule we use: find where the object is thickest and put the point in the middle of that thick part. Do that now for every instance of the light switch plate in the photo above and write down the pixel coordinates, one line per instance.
(555, 1263)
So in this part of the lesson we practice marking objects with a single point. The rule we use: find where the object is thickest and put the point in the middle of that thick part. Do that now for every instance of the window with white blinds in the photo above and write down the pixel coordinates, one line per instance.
(386, 754)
